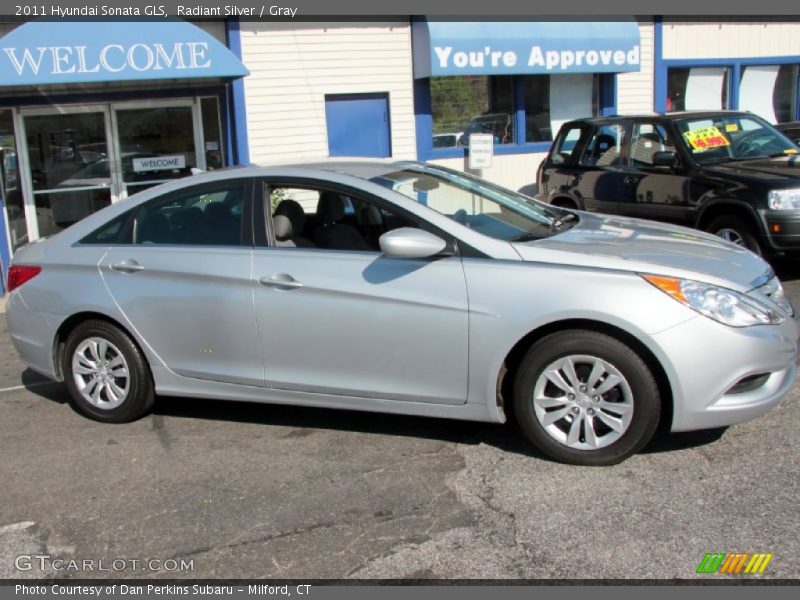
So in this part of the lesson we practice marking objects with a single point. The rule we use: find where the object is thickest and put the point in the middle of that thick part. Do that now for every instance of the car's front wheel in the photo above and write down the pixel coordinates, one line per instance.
(107, 377)
(585, 398)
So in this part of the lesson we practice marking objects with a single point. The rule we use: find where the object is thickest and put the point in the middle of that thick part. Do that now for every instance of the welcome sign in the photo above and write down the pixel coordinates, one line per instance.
(514, 48)
(52, 52)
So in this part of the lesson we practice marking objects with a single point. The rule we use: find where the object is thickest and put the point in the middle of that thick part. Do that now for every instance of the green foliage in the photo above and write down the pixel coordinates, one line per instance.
(455, 100)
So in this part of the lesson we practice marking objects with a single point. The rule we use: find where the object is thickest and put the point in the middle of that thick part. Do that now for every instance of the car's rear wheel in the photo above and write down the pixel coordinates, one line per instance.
(106, 374)
(737, 231)
(585, 398)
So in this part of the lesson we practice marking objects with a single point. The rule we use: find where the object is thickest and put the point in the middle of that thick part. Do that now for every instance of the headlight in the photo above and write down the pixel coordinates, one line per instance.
(721, 304)
(784, 199)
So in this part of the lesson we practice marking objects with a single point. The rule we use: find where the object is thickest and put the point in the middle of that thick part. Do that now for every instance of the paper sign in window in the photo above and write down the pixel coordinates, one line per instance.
(706, 138)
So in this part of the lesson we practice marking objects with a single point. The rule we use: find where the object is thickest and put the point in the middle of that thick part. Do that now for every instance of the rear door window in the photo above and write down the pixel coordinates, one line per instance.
(605, 146)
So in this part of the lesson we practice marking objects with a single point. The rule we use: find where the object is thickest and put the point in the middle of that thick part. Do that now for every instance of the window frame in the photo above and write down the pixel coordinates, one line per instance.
(736, 66)
(264, 237)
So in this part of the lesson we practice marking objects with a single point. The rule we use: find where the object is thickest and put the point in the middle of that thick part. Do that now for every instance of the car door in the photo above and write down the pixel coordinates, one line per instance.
(184, 282)
(599, 179)
(337, 317)
(652, 191)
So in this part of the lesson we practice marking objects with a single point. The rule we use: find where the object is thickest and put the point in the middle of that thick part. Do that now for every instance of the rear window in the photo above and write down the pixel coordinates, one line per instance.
(111, 232)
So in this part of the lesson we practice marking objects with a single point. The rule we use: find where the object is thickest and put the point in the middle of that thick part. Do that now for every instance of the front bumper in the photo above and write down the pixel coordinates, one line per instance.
(707, 363)
(783, 228)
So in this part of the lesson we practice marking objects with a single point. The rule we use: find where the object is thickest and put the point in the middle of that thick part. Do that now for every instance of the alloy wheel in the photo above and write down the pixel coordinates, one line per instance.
(100, 373)
(583, 402)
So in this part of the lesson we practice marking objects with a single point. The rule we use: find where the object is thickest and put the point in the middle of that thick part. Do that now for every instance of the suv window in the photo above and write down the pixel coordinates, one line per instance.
(204, 217)
(565, 145)
(603, 149)
(646, 140)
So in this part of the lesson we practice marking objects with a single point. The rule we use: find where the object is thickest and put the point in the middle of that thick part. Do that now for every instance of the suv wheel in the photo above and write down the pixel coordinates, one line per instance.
(585, 398)
(737, 231)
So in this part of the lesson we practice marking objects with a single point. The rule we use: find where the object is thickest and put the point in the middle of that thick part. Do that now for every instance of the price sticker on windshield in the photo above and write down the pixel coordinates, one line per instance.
(706, 138)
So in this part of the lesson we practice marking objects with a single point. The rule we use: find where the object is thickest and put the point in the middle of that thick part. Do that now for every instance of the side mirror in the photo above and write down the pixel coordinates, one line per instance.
(409, 242)
(665, 159)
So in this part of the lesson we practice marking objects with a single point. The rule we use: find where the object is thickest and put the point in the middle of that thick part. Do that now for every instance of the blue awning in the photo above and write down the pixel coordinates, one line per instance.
(514, 48)
(60, 52)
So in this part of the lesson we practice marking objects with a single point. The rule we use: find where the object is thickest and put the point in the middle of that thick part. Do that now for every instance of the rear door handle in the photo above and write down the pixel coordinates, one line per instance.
(127, 266)
(281, 281)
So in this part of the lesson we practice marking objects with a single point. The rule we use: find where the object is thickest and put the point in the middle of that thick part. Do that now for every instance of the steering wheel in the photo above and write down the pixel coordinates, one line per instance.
(752, 144)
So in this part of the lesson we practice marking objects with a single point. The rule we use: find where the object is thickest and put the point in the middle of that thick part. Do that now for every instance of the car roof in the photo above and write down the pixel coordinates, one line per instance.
(700, 114)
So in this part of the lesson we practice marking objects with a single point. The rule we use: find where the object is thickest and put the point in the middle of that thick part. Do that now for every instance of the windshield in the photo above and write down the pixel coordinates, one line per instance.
(732, 137)
(488, 209)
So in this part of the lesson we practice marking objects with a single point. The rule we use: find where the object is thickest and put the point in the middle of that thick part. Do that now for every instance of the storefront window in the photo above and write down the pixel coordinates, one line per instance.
(212, 133)
(552, 101)
(769, 91)
(156, 145)
(10, 185)
(697, 88)
(68, 157)
(465, 105)
(486, 104)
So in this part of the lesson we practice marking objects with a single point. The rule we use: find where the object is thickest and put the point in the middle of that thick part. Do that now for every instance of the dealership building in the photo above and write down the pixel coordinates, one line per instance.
(92, 112)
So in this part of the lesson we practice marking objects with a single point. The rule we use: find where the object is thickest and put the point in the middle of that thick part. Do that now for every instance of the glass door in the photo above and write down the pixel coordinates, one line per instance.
(10, 185)
(157, 142)
(68, 163)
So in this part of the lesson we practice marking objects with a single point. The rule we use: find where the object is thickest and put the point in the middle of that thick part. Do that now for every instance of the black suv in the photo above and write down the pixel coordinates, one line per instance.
(729, 173)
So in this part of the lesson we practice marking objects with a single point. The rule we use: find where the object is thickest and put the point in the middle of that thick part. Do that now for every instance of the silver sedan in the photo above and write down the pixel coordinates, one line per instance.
(404, 288)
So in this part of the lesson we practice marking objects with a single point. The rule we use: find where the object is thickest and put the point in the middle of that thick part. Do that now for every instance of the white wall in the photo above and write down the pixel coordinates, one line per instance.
(293, 66)
(635, 90)
(513, 171)
(728, 38)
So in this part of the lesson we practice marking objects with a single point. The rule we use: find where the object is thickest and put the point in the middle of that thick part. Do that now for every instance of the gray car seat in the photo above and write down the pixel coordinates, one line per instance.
(331, 233)
(297, 216)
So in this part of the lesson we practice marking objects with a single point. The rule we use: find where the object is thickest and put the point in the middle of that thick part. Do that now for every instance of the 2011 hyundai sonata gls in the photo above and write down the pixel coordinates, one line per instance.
(404, 288)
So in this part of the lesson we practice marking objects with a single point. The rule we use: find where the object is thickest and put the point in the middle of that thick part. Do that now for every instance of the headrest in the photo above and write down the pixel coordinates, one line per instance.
(292, 209)
(282, 227)
(216, 211)
(189, 217)
(330, 208)
(604, 142)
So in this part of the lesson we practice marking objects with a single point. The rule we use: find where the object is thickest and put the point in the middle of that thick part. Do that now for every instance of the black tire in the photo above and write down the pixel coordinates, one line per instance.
(640, 392)
(736, 230)
(564, 203)
(138, 385)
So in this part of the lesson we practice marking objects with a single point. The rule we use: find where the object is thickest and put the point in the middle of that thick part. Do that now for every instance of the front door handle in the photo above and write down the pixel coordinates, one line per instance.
(281, 281)
(127, 266)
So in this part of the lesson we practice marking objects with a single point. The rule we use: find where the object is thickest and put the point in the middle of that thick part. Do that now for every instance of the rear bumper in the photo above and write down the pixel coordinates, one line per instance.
(32, 334)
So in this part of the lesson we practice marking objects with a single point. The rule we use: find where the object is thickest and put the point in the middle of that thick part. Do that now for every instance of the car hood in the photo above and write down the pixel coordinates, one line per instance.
(783, 170)
(605, 242)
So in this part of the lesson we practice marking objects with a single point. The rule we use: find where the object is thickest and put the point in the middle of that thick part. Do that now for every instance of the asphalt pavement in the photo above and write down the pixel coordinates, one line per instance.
(233, 490)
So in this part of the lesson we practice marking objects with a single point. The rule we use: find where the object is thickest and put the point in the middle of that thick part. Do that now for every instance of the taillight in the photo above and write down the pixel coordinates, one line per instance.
(19, 274)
